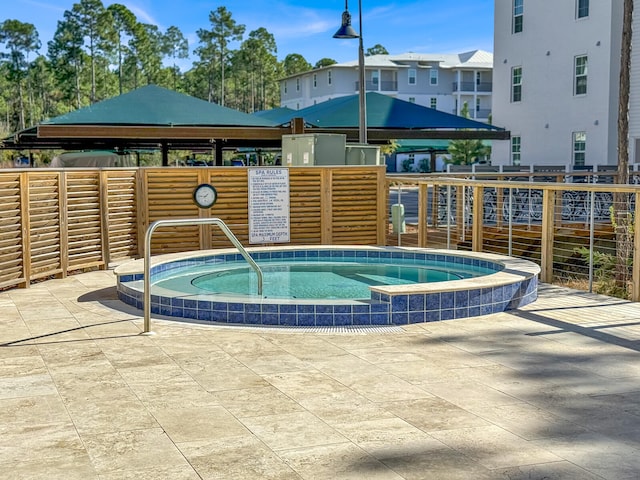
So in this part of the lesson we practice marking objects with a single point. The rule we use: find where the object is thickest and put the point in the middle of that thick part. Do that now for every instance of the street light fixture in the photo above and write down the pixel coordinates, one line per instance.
(347, 31)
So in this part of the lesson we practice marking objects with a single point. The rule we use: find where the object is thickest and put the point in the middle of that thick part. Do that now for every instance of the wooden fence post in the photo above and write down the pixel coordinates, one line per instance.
(499, 204)
(63, 215)
(326, 215)
(547, 233)
(460, 224)
(423, 198)
(478, 218)
(435, 189)
(141, 208)
(204, 230)
(635, 284)
(383, 213)
(103, 179)
(25, 228)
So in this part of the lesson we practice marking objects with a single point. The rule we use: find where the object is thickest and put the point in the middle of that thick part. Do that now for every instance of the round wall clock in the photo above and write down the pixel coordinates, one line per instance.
(205, 195)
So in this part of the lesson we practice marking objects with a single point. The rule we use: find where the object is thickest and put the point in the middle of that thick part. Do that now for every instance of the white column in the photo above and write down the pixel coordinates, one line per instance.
(459, 80)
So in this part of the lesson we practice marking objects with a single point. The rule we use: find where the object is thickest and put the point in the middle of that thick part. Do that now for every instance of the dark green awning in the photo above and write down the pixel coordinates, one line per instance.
(426, 145)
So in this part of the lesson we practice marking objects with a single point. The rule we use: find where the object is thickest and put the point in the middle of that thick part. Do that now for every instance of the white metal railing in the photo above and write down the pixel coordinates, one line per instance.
(177, 223)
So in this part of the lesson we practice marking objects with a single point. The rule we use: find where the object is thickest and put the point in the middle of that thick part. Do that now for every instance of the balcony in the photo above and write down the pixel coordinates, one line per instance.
(484, 87)
(479, 114)
(385, 86)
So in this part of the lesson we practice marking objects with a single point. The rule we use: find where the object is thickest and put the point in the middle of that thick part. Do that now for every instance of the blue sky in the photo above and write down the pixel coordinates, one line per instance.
(305, 27)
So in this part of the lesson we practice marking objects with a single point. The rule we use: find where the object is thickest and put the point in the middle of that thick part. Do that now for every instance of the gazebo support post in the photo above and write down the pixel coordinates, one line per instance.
(218, 146)
(297, 126)
(165, 154)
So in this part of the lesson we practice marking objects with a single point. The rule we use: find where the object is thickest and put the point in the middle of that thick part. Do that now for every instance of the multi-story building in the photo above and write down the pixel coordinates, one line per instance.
(556, 82)
(444, 82)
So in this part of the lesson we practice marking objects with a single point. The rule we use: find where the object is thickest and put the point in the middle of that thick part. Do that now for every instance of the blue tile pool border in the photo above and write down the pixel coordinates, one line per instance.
(398, 305)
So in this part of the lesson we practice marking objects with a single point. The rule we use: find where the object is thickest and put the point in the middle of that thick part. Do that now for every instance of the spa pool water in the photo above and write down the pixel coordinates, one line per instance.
(321, 279)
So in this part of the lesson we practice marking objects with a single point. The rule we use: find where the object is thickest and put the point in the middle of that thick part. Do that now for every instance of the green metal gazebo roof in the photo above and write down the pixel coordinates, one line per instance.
(278, 115)
(157, 106)
(384, 111)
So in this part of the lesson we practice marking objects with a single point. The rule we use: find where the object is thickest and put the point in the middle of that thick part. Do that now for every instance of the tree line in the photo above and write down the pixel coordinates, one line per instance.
(98, 52)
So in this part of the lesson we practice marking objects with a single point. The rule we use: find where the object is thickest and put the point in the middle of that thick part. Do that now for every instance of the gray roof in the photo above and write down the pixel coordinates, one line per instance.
(471, 59)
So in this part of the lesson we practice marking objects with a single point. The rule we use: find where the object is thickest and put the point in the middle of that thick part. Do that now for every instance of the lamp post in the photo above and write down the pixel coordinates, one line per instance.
(347, 31)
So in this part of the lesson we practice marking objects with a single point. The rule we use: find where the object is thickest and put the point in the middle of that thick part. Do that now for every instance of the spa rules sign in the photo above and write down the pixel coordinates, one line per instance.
(269, 205)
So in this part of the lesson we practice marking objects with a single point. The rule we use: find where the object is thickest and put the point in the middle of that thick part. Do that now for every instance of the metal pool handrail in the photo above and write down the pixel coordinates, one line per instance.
(177, 223)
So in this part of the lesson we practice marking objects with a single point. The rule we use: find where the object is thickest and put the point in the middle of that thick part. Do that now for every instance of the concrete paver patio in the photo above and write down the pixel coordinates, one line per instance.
(550, 391)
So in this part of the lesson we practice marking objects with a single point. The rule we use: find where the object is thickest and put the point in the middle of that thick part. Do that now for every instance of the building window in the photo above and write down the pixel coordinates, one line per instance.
(297, 84)
(582, 8)
(329, 77)
(477, 104)
(433, 102)
(579, 148)
(518, 15)
(412, 99)
(375, 78)
(411, 162)
(412, 76)
(433, 76)
(580, 83)
(478, 78)
(515, 150)
(285, 87)
(315, 80)
(516, 84)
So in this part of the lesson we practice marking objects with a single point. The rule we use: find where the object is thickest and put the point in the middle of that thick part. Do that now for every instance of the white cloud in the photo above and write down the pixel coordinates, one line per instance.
(141, 14)
(45, 5)
(303, 29)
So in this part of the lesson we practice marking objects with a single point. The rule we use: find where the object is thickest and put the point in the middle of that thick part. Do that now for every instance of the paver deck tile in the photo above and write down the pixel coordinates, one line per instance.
(548, 391)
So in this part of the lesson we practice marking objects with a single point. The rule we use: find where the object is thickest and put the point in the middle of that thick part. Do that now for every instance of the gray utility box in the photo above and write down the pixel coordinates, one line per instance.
(359, 154)
(309, 149)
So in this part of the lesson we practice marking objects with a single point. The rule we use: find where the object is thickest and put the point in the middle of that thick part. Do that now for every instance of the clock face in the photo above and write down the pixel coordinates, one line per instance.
(205, 195)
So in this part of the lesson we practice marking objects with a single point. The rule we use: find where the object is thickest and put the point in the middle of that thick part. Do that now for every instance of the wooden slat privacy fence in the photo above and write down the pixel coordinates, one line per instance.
(53, 222)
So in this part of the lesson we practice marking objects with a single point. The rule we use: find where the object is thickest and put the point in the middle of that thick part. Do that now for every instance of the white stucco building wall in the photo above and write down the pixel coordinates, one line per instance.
(550, 112)
(441, 81)
(634, 97)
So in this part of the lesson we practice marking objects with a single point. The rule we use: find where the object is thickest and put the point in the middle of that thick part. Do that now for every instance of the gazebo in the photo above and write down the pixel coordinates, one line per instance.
(388, 118)
(155, 118)
(150, 117)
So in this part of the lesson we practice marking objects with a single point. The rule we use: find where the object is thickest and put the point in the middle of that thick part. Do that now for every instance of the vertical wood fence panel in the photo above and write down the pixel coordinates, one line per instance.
(44, 225)
(122, 213)
(11, 244)
(305, 205)
(84, 219)
(231, 206)
(354, 207)
(169, 196)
